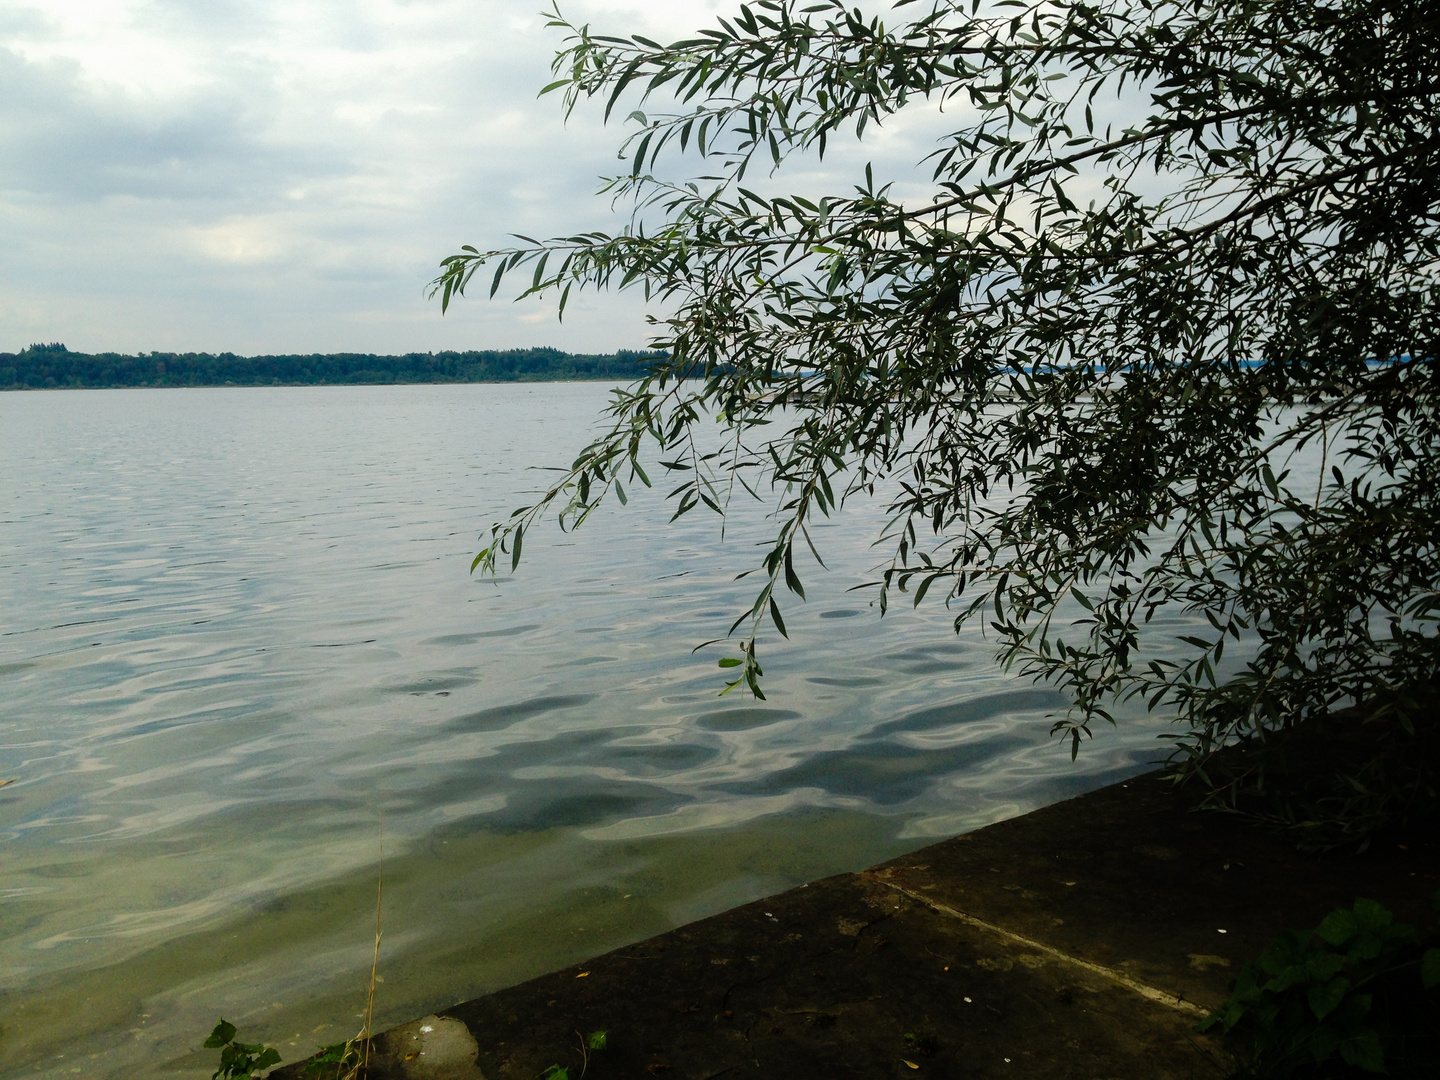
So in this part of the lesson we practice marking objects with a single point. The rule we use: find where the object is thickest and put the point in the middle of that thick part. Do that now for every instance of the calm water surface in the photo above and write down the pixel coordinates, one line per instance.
(242, 659)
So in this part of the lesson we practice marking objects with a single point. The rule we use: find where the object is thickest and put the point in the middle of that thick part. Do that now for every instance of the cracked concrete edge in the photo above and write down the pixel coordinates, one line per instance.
(1160, 997)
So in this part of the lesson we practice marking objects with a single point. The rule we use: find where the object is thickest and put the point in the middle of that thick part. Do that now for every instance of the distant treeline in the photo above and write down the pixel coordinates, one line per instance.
(54, 366)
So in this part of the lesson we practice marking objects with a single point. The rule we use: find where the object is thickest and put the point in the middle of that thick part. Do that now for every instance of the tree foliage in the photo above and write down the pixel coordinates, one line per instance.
(1085, 366)
(54, 366)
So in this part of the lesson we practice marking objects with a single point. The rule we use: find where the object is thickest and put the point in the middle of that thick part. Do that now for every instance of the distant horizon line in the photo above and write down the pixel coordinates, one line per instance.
(61, 348)
(55, 367)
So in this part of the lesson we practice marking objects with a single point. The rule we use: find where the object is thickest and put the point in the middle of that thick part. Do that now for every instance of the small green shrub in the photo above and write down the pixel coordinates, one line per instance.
(589, 1044)
(1356, 995)
(343, 1056)
(239, 1061)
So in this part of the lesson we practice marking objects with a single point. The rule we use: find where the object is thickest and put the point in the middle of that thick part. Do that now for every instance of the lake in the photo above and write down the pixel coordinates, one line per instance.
(243, 663)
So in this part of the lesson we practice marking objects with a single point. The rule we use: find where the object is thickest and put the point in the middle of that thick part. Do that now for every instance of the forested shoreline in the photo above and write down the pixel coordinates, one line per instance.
(53, 366)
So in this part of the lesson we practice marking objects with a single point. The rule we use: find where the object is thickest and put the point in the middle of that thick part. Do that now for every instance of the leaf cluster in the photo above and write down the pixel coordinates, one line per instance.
(337, 1061)
(590, 1044)
(239, 1061)
(1355, 988)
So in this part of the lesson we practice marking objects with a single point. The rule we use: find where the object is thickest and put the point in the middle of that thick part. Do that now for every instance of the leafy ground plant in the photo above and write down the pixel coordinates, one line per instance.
(1357, 995)
(239, 1061)
(336, 1061)
(349, 1059)
(589, 1045)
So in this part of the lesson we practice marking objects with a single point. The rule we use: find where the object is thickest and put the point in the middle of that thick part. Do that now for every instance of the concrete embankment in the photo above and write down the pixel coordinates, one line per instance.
(1084, 940)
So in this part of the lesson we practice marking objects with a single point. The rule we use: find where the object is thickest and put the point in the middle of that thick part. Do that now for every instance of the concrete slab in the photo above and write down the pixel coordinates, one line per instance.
(1131, 878)
(1080, 942)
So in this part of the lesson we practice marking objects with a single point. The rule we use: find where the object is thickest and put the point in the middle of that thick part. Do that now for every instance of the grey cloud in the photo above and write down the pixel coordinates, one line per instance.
(18, 22)
(296, 187)
(65, 139)
(207, 20)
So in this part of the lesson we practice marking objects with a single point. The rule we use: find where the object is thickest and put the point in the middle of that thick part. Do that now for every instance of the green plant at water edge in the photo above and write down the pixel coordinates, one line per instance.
(1356, 995)
(1156, 336)
(589, 1044)
(336, 1061)
(349, 1058)
(239, 1061)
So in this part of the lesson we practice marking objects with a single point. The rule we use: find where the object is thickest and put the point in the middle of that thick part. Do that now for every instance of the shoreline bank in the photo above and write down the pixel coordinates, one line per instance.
(1084, 939)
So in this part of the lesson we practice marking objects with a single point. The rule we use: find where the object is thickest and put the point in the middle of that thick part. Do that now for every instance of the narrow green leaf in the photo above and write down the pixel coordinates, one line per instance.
(775, 615)
(923, 589)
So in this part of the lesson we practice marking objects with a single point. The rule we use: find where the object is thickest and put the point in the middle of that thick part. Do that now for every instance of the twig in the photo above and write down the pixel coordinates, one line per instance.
(375, 958)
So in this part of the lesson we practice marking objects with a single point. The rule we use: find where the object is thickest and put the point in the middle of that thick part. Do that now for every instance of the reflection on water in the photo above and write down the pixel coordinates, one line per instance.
(239, 644)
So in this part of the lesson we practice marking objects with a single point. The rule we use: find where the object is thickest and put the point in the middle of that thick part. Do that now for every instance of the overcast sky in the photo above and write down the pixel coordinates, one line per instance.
(267, 176)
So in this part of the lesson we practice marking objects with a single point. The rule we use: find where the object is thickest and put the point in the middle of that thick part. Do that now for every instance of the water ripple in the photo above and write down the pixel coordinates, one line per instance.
(239, 641)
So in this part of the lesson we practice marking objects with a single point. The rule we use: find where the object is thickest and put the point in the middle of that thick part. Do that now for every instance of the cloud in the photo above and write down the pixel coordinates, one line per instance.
(264, 176)
(259, 176)
(67, 139)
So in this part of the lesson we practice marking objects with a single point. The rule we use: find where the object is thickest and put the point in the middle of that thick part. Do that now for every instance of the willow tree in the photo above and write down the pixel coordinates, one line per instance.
(1082, 367)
